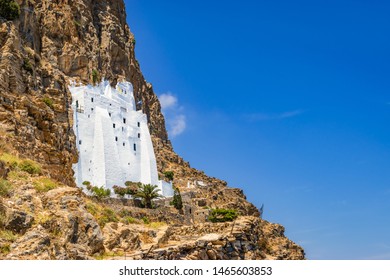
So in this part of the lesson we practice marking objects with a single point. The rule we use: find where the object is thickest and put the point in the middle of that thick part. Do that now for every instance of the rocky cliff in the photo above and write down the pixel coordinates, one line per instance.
(41, 51)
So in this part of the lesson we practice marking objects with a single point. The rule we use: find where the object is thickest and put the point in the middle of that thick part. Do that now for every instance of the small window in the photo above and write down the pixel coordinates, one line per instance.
(80, 142)
(139, 135)
(113, 125)
(124, 144)
(92, 109)
(89, 116)
(123, 129)
(110, 104)
(124, 120)
(109, 114)
(92, 99)
(116, 138)
(135, 147)
(138, 124)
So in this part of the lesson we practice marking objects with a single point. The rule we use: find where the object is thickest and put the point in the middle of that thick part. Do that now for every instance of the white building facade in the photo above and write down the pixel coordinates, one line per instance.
(113, 138)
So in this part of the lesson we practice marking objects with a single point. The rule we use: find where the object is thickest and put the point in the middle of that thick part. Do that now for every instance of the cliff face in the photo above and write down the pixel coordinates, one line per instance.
(50, 44)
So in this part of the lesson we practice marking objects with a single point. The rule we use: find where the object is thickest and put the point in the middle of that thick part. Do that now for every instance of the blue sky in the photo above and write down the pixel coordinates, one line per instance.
(288, 100)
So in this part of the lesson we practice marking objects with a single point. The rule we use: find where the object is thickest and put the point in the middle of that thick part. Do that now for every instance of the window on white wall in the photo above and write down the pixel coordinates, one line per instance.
(91, 99)
(139, 135)
(124, 120)
(135, 147)
(116, 138)
(124, 144)
(138, 124)
(79, 142)
(113, 125)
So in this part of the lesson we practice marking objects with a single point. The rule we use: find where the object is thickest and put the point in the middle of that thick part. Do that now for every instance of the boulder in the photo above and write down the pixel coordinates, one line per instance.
(18, 221)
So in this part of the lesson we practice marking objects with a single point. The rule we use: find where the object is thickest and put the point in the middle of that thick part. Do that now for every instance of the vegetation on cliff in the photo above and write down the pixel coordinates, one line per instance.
(9, 9)
(42, 214)
(147, 193)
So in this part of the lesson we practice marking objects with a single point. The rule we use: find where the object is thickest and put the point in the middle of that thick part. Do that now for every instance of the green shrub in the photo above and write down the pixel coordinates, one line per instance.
(87, 184)
(5, 188)
(27, 65)
(95, 76)
(92, 209)
(30, 167)
(169, 175)
(99, 192)
(130, 220)
(145, 220)
(9, 9)
(147, 193)
(177, 200)
(135, 185)
(130, 190)
(103, 215)
(48, 101)
(107, 216)
(222, 215)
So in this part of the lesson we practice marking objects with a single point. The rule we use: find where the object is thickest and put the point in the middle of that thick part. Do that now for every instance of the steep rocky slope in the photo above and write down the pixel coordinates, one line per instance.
(50, 44)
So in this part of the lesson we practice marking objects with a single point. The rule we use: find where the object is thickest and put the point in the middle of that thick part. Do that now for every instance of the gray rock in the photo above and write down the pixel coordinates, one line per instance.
(18, 221)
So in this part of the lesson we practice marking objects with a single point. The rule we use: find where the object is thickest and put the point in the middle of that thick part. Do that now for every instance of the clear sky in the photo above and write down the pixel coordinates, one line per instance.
(288, 100)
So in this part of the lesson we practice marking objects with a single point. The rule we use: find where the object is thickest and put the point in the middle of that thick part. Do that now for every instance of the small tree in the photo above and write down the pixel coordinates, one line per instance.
(95, 76)
(177, 201)
(9, 9)
(147, 193)
(129, 190)
(27, 66)
(169, 175)
(222, 215)
(98, 192)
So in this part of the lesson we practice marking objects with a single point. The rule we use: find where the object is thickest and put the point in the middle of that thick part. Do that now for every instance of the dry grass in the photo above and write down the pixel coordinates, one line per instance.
(5, 188)
(145, 238)
(109, 255)
(156, 225)
(10, 160)
(8, 235)
(44, 184)
(15, 163)
(103, 215)
(130, 220)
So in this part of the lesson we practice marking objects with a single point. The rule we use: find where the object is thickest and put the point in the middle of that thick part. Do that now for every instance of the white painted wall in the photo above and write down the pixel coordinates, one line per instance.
(166, 188)
(113, 138)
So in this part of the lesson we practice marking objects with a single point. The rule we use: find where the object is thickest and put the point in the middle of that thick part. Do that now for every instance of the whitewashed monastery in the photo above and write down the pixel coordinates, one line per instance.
(113, 138)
